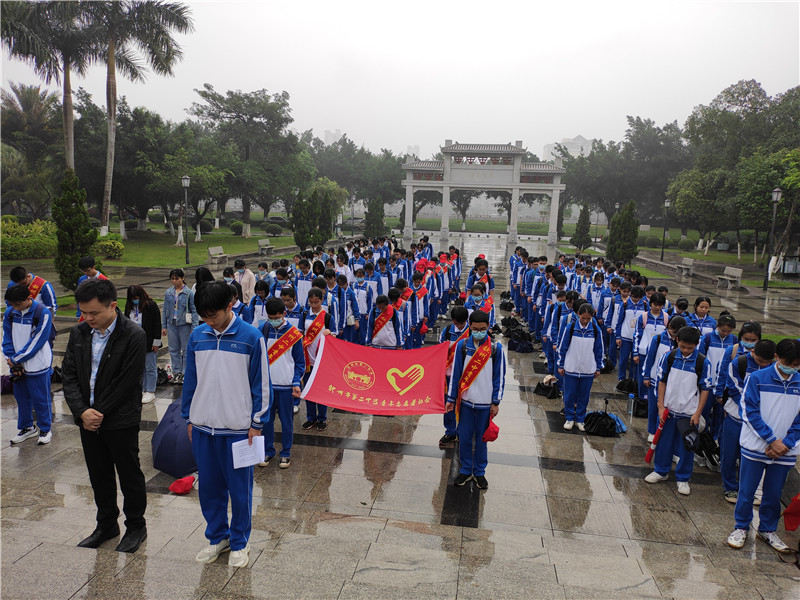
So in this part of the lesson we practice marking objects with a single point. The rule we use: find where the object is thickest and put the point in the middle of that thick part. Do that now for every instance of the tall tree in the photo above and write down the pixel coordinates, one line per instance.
(582, 240)
(702, 198)
(129, 28)
(56, 40)
(461, 201)
(304, 218)
(258, 123)
(622, 238)
(75, 234)
(373, 220)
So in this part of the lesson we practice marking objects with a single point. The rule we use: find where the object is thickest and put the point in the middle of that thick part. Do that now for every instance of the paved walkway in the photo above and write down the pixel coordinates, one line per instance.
(367, 510)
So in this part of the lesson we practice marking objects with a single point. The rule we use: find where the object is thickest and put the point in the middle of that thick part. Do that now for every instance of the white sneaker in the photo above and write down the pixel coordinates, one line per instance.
(148, 397)
(542, 355)
(239, 558)
(655, 478)
(568, 425)
(683, 488)
(773, 540)
(676, 458)
(45, 438)
(295, 410)
(581, 426)
(210, 553)
(650, 438)
(737, 538)
(757, 498)
(25, 434)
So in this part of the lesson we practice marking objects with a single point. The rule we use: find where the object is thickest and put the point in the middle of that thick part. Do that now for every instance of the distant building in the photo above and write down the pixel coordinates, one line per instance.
(577, 146)
(412, 151)
(331, 137)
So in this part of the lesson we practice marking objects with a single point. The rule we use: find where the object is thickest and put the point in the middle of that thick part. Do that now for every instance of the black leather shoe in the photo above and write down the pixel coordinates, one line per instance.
(131, 541)
(97, 537)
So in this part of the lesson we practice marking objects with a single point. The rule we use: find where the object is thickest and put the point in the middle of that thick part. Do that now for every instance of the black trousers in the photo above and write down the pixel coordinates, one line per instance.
(104, 451)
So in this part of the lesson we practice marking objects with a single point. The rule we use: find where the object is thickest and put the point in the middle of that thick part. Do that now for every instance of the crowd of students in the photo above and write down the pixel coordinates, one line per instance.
(590, 316)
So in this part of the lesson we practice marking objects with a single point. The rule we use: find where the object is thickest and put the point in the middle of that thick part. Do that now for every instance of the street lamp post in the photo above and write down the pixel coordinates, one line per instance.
(185, 184)
(353, 216)
(776, 197)
(664, 236)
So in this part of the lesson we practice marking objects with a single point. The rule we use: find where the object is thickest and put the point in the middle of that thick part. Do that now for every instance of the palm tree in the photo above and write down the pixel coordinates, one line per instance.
(51, 37)
(129, 28)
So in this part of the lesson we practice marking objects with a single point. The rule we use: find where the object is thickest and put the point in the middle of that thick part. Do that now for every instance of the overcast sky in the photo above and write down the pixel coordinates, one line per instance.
(413, 73)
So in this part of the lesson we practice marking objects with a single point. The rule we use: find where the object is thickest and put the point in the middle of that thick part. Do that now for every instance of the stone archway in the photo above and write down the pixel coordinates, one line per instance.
(481, 167)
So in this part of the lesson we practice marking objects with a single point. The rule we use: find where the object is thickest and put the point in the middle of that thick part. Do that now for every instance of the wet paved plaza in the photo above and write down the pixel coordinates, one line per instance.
(367, 509)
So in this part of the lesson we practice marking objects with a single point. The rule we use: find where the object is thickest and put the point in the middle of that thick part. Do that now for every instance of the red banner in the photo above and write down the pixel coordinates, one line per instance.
(378, 382)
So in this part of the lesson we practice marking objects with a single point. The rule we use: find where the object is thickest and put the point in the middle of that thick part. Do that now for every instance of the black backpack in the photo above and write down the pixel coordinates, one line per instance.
(505, 295)
(507, 305)
(520, 341)
(37, 317)
(548, 391)
(601, 423)
(698, 363)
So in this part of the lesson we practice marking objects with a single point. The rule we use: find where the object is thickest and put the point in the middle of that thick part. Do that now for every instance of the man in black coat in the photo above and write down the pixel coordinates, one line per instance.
(103, 368)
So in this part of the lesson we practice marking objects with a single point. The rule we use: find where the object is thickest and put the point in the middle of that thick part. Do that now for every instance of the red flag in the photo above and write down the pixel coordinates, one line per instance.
(791, 515)
(652, 450)
(378, 382)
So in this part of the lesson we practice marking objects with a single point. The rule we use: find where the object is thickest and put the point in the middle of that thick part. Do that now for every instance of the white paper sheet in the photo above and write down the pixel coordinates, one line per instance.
(245, 455)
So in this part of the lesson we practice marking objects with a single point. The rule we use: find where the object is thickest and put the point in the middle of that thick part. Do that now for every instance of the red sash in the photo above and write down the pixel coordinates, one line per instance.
(484, 279)
(479, 360)
(286, 341)
(451, 352)
(406, 294)
(487, 305)
(311, 334)
(382, 319)
(421, 292)
(36, 286)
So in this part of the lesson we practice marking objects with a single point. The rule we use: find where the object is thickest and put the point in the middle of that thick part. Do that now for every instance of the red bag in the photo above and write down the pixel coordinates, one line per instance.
(492, 431)
(182, 486)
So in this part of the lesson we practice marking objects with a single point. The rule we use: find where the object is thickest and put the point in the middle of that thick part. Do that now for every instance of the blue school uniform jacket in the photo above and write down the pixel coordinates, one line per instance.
(735, 384)
(682, 395)
(488, 385)
(659, 346)
(288, 370)
(26, 342)
(648, 326)
(705, 324)
(715, 349)
(226, 385)
(384, 335)
(770, 411)
(580, 349)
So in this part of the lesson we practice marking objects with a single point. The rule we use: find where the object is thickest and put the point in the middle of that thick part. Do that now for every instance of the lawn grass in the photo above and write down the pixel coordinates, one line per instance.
(155, 249)
(727, 258)
(650, 274)
(774, 337)
(773, 283)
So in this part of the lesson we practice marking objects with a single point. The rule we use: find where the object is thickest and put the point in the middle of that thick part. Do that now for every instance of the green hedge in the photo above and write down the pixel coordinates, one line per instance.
(108, 249)
(687, 244)
(14, 248)
(652, 241)
(236, 227)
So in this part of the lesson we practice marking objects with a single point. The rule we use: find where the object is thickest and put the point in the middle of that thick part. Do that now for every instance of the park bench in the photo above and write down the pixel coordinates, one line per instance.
(264, 248)
(217, 254)
(732, 276)
(686, 268)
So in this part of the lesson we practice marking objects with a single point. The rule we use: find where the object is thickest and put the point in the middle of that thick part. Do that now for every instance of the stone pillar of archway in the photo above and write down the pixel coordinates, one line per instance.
(512, 228)
(444, 229)
(552, 233)
(408, 228)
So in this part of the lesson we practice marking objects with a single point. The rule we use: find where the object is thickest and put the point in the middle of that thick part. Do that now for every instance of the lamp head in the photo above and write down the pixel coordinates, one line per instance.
(776, 195)
(667, 202)
(185, 181)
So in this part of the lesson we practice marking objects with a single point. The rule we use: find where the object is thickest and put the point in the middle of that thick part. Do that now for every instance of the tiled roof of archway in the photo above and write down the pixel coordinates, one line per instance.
(483, 148)
(425, 165)
(541, 168)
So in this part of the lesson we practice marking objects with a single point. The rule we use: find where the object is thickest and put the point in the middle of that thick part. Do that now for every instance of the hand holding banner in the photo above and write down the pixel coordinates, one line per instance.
(378, 382)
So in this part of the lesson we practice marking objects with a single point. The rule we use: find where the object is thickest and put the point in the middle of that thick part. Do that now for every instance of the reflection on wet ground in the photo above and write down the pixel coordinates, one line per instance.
(366, 511)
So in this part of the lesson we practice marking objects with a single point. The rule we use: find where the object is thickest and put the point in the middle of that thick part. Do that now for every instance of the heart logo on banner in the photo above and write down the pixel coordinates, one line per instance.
(404, 381)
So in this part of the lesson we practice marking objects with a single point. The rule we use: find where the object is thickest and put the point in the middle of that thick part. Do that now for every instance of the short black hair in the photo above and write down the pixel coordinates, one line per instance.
(177, 273)
(261, 286)
(682, 303)
(615, 281)
(316, 292)
(400, 283)
(689, 335)
(727, 320)
(478, 316)
(561, 279)
(329, 273)
(585, 307)
(319, 282)
(658, 298)
(637, 291)
(227, 272)
(676, 322)
(459, 314)
(274, 306)
(102, 289)
(788, 349)
(288, 291)
(239, 263)
(382, 299)
(751, 327)
(625, 285)
(282, 272)
(212, 297)
(765, 349)
(393, 294)
(86, 262)
(17, 274)
(203, 274)
(17, 293)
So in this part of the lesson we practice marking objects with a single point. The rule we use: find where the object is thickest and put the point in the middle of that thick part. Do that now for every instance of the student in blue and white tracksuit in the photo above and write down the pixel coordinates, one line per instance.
(27, 325)
(390, 336)
(480, 401)
(716, 345)
(660, 345)
(286, 374)
(226, 397)
(700, 318)
(629, 311)
(682, 392)
(649, 324)
(580, 359)
(760, 356)
(450, 334)
(364, 298)
(770, 442)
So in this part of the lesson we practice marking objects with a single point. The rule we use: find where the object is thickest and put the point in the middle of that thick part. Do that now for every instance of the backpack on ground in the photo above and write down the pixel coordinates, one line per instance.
(550, 392)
